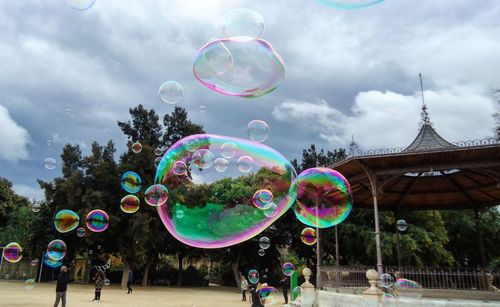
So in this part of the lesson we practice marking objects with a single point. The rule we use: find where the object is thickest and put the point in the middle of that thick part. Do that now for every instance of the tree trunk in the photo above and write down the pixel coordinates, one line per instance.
(236, 272)
(180, 257)
(126, 269)
(146, 274)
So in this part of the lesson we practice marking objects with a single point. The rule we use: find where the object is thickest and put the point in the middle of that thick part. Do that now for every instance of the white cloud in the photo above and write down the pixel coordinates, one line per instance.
(29, 191)
(14, 138)
(388, 119)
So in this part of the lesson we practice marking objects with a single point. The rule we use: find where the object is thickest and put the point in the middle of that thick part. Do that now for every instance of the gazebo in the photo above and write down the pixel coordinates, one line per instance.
(431, 173)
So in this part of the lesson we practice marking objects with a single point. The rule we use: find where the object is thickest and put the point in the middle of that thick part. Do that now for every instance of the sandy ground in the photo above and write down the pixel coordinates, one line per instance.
(13, 293)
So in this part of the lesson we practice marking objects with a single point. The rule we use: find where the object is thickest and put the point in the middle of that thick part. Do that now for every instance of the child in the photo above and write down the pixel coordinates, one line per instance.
(99, 283)
(244, 286)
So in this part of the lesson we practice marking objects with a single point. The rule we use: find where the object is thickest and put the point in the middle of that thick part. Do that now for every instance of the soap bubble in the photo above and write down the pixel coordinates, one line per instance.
(262, 199)
(218, 58)
(308, 236)
(158, 151)
(401, 225)
(203, 108)
(408, 288)
(157, 161)
(130, 204)
(257, 69)
(218, 207)
(253, 276)
(80, 232)
(50, 163)
(203, 158)
(136, 147)
(13, 252)
(34, 262)
(156, 195)
(268, 296)
(66, 221)
(56, 250)
(385, 281)
(171, 92)
(350, 4)
(51, 262)
(297, 293)
(245, 164)
(107, 282)
(36, 207)
(131, 182)
(288, 268)
(262, 252)
(258, 130)
(180, 168)
(271, 211)
(6, 276)
(388, 300)
(179, 214)
(228, 150)
(326, 189)
(221, 165)
(29, 284)
(243, 22)
(80, 5)
(97, 220)
(264, 242)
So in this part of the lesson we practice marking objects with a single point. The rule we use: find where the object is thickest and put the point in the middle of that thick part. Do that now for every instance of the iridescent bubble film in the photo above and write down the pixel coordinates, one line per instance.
(36, 208)
(97, 220)
(228, 150)
(80, 5)
(258, 130)
(221, 165)
(156, 195)
(80, 232)
(262, 199)
(408, 288)
(349, 4)
(29, 284)
(66, 220)
(56, 250)
(171, 92)
(243, 22)
(245, 164)
(131, 182)
(136, 147)
(257, 68)
(253, 276)
(268, 296)
(218, 207)
(288, 268)
(50, 163)
(130, 204)
(180, 168)
(324, 197)
(308, 236)
(51, 262)
(264, 242)
(218, 58)
(13, 252)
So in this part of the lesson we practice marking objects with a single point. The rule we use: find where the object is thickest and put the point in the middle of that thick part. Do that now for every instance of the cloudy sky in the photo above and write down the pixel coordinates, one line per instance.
(68, 76)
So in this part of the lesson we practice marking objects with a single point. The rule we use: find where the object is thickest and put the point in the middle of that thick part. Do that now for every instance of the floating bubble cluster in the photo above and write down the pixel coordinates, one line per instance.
(66, 221)
(268, 296)
(80, 5)
(308, 236)
(36, 207)
(131, 182)
(97, 220)
(258, 130)
(264, 242)
(255, 67)
(171, 92)
(156, 195)
(253, 276)
(324, 197)
(13, 252)
(50, 163)
(401, 225)
(262, 199)
(130, 204)
(80, 232)
(288, 268)
(243, 22)
(56, 250)
(218, 210)
(350, 4)
(51, 262)
(29, 284)
(136, 147)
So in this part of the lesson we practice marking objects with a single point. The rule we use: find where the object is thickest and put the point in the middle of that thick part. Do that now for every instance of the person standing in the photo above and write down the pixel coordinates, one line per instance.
(285, 284)
(130, 280)
(62, 286)
(99, 284)
(244, 286)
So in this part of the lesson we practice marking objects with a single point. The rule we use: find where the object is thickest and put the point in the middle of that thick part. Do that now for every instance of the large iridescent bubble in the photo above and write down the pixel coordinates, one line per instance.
(66, 220)
(97, 220)
(13, 252)
(218, 209)
(56, 250)
(256, 68)
(324, 197)
(349, 4)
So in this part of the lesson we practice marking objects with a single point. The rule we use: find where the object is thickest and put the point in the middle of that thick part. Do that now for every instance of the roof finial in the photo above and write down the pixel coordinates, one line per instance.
(352, 147)
(424, 116)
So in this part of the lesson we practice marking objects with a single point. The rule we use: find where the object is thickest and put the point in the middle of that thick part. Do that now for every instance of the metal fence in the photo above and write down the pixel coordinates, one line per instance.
(428, 277)
(24, 269)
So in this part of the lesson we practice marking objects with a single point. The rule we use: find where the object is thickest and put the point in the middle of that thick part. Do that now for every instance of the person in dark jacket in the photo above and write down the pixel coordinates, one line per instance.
(62, 285)
(130, 280)
(285, 284)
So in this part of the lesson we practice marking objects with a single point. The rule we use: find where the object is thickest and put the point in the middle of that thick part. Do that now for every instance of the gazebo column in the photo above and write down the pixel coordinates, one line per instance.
(477, 218)
(374, 189)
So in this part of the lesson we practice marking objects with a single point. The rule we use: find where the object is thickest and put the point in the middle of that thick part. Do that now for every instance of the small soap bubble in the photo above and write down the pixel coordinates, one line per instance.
(36, 207)
(158, 151)
(245, 164)
(308, 236)
(264, 242)
(97, 220)
(262, 199)
(34, 262)
(107, 282)
(156, 195)
(80, 5)
(136, 147)
(56, 250)
(66, 221)
(402, 225)
(262, 252)
(179, 214)
(258, 130)
(253, 276)
(203, 108)
(221, 165)
(29, 284)
(80, 232)
(243, 22)
(203, 158)
(130, 203)
(288, 268)
(228, 150)
(171, 92)
(131, 182)
(180, 168)
(386, 281)
(50, 163)
(13, 252)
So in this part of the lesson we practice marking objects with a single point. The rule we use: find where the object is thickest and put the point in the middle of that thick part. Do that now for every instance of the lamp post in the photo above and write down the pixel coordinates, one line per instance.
(1, 258)
(401, 226)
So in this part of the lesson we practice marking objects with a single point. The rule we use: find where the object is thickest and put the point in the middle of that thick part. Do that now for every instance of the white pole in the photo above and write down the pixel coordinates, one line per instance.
(41, 267)
(1, 258)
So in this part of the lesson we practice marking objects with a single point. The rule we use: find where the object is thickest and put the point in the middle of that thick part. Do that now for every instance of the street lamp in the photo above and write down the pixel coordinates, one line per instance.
(401, 226)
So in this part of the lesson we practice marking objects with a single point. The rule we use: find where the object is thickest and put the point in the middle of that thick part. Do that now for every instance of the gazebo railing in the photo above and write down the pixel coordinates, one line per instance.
(429, 277)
